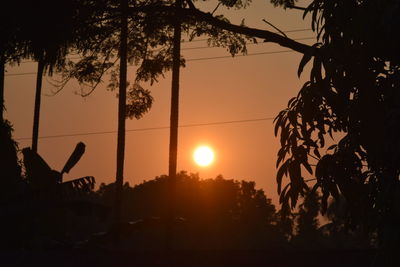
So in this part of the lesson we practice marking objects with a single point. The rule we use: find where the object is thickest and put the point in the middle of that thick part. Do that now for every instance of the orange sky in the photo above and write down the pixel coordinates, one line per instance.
(215, 90)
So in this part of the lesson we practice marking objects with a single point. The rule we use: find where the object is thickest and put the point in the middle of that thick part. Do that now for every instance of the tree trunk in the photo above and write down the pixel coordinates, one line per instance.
(35, 132)
(121, 119)
(2, 68)
(174, 118)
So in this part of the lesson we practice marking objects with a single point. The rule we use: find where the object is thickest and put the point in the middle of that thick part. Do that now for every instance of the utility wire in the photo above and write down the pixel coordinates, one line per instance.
(197, 47)
(190, 59)
(19, 74)
(252, 54)
(150, 128)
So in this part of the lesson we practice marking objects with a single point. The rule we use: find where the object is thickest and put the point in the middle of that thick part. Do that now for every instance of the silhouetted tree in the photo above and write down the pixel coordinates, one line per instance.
(352, 95)
(123, 53)
(47, 31)
(339, 233)
(254, 205)
(174, 119)
(307, 222)
(205, 210)
(10, 167)
(9, 45)
(11, 184)
(285, 223)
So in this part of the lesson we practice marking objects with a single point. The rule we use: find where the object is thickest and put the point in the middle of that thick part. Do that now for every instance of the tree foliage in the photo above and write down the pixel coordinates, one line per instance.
(196, 200)
(10, 166)
(150, 39)
(352, 97)
(209, 213)
(307, 221)
(284, 3)
(46, 31)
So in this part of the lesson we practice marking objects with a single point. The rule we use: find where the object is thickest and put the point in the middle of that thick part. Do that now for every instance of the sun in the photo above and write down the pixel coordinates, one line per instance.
(203, 156)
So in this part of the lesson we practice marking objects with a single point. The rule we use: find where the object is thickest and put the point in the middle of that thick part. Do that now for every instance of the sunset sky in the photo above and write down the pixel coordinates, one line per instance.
(213, 90)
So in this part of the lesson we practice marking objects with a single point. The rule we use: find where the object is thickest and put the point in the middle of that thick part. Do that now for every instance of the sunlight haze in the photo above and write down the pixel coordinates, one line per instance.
(229, 102)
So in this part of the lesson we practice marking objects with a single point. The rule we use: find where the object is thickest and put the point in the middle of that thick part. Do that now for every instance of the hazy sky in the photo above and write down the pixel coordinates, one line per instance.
(212, 90)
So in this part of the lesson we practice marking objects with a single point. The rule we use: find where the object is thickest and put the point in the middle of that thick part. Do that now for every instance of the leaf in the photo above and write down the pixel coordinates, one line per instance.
(308, 9)
(281, 113)
(304, 60)
(285, 134)
(283, 195)
(304, 185)
(278, 122)
(295, 175)
(291, 101)
(293, 197)
(316, 153)
(282, 170)
(74, 158)
(77, 186)
(281, 156)
(334, 190)
(292, 117)
(332, 147)
(315, 187)
(321, 139)
(294, 169)
(324, 202)
(316, 70)
(307, 166)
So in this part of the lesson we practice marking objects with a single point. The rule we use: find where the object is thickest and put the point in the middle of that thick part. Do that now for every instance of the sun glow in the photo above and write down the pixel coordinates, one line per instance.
(203, 156)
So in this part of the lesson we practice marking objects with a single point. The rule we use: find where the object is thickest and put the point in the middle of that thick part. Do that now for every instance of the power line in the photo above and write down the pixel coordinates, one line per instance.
(192, 48)
(19, 74)
(150, 128)
(190, 59)
(205, 47)
(252, 54)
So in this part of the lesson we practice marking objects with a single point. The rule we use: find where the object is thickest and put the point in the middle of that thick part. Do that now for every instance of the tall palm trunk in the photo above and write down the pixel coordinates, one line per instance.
(121, 117)
(36, 115)
(2, 68)
(174, 118)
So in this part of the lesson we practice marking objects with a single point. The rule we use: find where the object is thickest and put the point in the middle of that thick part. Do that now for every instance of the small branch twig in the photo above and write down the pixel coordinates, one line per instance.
(190, 3)
(270, 24)
(296, 7)
(215, 9)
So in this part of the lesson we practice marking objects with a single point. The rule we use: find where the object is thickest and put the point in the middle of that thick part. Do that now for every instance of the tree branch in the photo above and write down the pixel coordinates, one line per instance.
(197, 15)
(272, 25)
(190, 3)
(263, 34)
(296, 7)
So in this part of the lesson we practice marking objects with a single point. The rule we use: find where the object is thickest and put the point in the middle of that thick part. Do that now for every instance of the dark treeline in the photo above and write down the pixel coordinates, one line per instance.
(209, 213)
(212, 213)
(227, 216)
